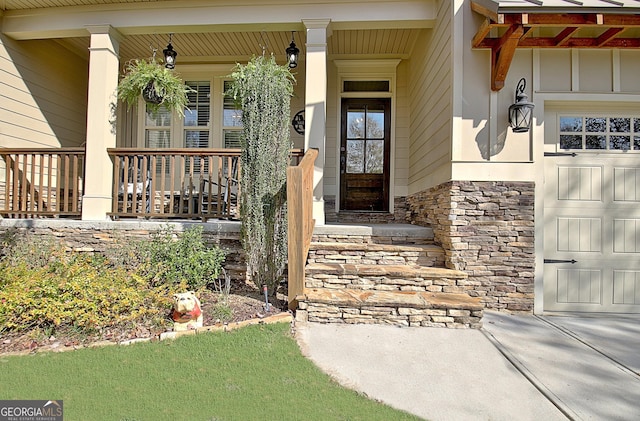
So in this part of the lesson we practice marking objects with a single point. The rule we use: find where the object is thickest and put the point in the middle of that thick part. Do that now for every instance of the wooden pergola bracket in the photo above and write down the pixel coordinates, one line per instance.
(502, 55)
(505, 29)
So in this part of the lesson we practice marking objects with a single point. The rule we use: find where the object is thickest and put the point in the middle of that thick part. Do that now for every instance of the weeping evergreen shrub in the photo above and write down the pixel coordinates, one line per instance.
(263, 91)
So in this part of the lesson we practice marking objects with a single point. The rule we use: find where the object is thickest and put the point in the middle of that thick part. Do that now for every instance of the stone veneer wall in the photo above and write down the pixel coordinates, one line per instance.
(486, 230)
(96, 237)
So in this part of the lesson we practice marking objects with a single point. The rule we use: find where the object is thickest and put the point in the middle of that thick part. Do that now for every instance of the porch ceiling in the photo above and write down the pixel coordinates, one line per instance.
(509, 25)
(211, 47)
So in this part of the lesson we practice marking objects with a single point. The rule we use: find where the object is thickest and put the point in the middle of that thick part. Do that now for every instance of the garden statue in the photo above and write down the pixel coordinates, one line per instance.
(187, 313)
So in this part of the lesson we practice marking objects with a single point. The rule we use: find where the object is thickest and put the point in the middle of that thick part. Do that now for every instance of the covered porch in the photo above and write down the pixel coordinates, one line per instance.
(186, 183)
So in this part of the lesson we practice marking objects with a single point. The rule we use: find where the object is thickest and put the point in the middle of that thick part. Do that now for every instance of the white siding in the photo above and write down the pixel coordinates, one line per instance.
(43, 96)
(430, 75)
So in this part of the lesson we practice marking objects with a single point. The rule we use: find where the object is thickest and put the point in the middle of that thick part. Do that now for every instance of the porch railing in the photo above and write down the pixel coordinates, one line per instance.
(301, 222)
(42, 182)
(188, 183)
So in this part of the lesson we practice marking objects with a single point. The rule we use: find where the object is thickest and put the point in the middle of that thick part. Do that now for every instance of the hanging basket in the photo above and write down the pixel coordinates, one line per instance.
(150, 94)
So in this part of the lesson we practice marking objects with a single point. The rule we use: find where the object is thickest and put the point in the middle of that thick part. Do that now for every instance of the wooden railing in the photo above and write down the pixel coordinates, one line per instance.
(300, 222)
(42, 182)
(186, 183)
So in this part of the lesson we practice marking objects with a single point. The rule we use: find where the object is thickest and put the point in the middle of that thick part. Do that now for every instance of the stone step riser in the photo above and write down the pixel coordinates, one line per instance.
(387, 278)
(397, 316)
(376, 254)
(395, 308)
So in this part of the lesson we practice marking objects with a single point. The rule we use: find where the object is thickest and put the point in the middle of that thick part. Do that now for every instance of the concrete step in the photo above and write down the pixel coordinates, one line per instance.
(387, 278)
(401, 308)
(380, 254)
(373, 233)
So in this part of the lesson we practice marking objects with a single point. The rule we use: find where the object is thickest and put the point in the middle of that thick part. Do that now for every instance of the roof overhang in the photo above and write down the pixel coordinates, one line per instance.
(513, 24)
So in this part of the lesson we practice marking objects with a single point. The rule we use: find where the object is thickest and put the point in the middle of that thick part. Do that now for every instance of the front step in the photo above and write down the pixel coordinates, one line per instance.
(401, 308)
(386, 278)
(379, 254)
(390, 294)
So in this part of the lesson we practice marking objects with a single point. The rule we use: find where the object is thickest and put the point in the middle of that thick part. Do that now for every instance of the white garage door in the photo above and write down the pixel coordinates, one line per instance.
(592, 215)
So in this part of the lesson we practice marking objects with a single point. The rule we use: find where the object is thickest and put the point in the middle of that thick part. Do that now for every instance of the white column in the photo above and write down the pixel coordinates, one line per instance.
(316, 105)
(103, 82)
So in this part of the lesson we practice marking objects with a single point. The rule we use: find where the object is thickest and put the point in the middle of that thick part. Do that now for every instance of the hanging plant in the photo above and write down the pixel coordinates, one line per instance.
(263, 91)
(159, 86)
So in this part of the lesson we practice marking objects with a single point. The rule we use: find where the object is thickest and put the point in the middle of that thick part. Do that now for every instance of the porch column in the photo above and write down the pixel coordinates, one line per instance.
(103, 82)
(316, 105)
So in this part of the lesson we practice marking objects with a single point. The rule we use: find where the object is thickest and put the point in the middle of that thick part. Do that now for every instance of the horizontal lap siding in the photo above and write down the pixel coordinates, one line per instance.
(43, 96)
(431, 104)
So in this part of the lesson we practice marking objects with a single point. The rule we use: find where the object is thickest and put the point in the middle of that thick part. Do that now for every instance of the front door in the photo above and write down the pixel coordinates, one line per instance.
(364, 154)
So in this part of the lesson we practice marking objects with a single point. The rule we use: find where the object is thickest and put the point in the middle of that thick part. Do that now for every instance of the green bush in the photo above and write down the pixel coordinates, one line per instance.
(46, 287)
(80, 292)
(186, 259)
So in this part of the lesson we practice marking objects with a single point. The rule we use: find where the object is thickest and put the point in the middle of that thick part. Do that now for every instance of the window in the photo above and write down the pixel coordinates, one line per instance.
(231, 120)
(211, 120)
(600, 133)
(196, 122)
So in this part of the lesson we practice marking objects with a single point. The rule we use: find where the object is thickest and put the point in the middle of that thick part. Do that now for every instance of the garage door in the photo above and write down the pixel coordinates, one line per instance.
(592, 216)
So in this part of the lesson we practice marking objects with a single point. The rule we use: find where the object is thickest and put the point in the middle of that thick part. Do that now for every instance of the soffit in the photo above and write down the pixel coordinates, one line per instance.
(211, 47)
(513, 24)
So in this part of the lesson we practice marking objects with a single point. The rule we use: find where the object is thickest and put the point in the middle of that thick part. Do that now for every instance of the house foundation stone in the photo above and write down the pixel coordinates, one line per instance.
(486, 230)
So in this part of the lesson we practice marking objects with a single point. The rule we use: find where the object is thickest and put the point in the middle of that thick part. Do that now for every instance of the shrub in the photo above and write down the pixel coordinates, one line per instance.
(185, 259)
(79, 292)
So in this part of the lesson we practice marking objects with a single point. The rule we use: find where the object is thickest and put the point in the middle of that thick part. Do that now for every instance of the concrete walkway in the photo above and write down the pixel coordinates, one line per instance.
(516, 368)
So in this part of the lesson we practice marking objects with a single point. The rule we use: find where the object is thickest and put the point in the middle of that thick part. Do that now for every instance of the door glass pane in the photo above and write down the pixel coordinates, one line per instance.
(355, 124)
(375, 156)
(355, 156)
(570, 124)
(596, 142)
(570, 141)
(595, 124)
(375, 124)
(620, 142)
(620, 125)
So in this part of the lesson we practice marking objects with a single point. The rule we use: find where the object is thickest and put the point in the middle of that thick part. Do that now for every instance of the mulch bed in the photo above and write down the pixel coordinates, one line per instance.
(246, 303)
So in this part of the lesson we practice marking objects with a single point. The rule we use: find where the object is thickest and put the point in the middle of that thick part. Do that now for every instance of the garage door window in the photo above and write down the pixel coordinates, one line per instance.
(600, 133)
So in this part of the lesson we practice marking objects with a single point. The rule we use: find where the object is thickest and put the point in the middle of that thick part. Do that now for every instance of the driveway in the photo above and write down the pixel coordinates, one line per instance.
(516, 368)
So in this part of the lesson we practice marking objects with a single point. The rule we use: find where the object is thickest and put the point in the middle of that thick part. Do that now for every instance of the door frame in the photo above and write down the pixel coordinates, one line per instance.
(386, 174)
(363, 70)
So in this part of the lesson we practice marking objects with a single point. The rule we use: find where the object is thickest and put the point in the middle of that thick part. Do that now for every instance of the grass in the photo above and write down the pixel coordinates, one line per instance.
(255, 373)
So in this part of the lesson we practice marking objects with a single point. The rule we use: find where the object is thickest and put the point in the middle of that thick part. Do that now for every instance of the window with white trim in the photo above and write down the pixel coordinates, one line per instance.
(200, 127)
(598, 133)
(231, 120)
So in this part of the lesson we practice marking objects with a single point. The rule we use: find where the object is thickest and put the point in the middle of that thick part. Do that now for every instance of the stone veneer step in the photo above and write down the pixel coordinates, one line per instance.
(387, 278)
(381, 254)
(402, 308)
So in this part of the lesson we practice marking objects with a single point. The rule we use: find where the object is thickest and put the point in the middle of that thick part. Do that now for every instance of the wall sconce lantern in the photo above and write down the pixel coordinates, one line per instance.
(521, 111)
(292, 53)
(169, 55)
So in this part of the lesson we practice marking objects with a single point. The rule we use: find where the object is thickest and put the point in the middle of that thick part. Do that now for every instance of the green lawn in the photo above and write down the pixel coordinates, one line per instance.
(255, 373)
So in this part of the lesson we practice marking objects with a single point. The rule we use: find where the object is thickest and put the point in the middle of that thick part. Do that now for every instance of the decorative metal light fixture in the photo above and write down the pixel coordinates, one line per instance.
(521, 111)
(169, 55)
(292, 53)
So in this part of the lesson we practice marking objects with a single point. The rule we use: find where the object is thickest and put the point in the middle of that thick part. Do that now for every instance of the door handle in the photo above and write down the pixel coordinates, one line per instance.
(572, 261)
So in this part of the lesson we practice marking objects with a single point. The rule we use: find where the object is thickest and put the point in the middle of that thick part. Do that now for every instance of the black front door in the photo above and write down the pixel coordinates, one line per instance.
(364, 154)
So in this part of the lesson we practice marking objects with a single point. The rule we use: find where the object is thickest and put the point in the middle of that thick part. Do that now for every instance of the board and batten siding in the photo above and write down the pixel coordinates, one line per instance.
(430, 76)
(43, 100)
(589, 71)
